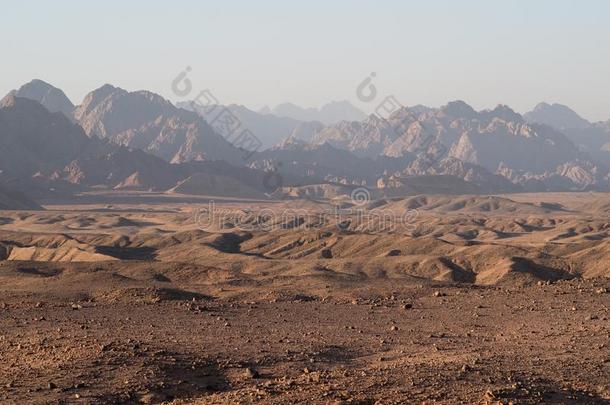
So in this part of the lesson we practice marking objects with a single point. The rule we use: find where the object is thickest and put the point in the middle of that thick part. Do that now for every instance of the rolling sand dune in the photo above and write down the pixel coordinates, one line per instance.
(479, 240)
(471, 204)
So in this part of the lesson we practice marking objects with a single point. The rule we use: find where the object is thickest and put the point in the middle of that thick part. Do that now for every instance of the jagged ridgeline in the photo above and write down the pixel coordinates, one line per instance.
(140, 141)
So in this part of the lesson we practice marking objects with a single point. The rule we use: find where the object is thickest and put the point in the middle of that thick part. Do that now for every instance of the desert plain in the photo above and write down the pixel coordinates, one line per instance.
(119, 297)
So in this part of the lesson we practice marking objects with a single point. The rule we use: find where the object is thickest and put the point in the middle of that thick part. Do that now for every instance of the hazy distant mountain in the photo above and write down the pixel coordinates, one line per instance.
(485, 138)
(265, 110)
(52, 98)
(593, 138)
(420, 109)
(37, 144)
(557, 116)
(40, 150)
(32, 139)
(331, 113)
(268, 128)
(325, 163)
(514, 143)
(128, 140)
(368, 138)
(573, 175)
(476, 146)
(146, 121)
(13, 200)
(474, 174)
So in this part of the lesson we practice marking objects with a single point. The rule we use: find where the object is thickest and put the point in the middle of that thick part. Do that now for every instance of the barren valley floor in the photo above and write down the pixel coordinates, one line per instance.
(478, 300)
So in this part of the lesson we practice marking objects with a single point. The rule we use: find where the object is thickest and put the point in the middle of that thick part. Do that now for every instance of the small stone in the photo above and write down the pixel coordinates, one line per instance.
(150, 398)
(51, 386)
(489, 395)
(394, 328)
(251, 373)
(326, 254)
(314, 377)
(465, 368)
(438, 294)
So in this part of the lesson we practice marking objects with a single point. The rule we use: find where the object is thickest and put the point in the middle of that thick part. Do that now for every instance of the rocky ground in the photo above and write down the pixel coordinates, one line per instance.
(383, 343)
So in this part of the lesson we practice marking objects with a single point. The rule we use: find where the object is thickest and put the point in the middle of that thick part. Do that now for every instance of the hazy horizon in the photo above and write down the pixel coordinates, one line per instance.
(486, 54)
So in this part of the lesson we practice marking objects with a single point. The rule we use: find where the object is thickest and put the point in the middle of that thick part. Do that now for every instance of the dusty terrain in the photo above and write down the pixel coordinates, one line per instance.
(145, 298)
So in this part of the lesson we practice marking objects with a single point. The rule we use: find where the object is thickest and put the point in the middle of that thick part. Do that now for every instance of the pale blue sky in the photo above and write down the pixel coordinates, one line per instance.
(259, 53)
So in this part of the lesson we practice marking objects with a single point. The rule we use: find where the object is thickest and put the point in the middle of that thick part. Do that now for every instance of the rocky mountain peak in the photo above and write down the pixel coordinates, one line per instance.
(9, 100)
(145, 120)
(52, 98)
(505, 113)
(557, 116)
(459, 109)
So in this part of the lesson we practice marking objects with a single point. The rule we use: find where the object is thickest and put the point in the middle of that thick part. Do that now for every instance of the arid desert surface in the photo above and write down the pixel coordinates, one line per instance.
(122, 297)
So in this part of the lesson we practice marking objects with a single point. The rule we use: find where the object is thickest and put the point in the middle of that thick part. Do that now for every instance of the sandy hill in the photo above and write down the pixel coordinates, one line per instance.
(471, 204)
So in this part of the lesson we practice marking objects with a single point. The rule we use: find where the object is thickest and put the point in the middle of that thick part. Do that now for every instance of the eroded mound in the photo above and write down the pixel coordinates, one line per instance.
(465, 239)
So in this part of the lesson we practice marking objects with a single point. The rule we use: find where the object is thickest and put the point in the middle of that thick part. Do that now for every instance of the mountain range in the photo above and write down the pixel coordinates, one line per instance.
(268, 128)
(139, 140)
(41, 151)
(328, 114)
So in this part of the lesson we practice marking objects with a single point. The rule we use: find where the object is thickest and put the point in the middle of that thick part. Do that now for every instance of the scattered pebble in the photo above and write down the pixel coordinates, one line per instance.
(251, 373)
